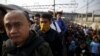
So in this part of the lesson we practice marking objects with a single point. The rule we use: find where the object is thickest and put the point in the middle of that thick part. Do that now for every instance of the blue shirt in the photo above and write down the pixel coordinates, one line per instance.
(94, 47)
(61, 25)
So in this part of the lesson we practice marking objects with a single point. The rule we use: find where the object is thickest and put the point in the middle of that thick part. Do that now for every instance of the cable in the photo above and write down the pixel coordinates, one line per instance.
(85, 5)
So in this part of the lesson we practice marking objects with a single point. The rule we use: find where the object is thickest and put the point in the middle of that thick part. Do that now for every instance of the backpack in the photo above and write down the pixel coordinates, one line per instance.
(38, 42)
(28, 51)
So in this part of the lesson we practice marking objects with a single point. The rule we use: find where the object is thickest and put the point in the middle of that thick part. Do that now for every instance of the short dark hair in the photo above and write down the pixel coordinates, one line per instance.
(59, 13)
(50, 12)
(2, 11)
(37, 15)
(46, 16)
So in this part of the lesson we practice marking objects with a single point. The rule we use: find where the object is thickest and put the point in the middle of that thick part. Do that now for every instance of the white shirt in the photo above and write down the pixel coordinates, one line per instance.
(57, 28)
(85, 31)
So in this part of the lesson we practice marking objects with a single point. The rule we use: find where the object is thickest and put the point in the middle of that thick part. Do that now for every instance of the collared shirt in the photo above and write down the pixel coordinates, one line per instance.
(55, 26)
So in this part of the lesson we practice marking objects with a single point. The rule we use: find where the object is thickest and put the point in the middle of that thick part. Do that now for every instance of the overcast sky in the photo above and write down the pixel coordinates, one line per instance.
(94, 5)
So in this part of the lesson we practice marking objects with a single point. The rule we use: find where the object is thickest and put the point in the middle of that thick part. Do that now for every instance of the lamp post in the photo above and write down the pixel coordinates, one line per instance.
(5, 1)
(87, 10)
(54, 9)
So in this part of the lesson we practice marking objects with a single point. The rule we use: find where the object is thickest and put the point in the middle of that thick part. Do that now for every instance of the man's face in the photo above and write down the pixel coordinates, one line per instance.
(17, 27)
(58, 16)
(44, 24)
(37, 20)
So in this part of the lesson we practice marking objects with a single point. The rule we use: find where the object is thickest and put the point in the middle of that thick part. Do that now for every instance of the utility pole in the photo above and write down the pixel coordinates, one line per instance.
(93, 15)
(6, 2)
(87, 10)
(54, 9)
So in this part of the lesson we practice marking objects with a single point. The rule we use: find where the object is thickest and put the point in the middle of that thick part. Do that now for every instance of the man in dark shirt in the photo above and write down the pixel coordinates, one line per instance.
(50, 35)
(22, 41)
(36, 20)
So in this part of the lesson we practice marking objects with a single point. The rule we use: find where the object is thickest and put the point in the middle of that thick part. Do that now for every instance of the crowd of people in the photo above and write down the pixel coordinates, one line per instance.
(45, 35)
(82, 40)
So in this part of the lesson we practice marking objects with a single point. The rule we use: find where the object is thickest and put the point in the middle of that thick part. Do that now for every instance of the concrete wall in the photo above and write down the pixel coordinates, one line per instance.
(89, 23)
